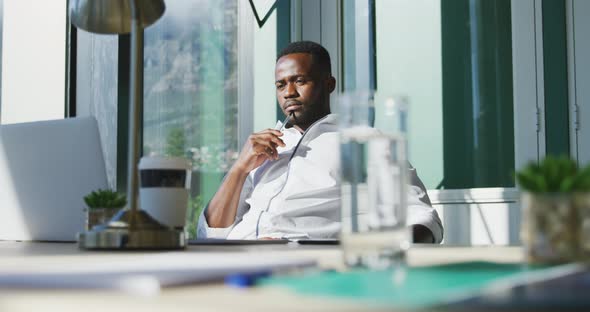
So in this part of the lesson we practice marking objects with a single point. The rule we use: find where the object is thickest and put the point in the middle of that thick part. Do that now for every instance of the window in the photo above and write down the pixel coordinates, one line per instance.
(1, 31)
(96, 91)
(209, 72)
(579, 62)
(191, 91)
(456, 69)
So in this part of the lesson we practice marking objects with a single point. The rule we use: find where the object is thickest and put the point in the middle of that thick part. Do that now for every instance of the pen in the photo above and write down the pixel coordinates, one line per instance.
(282, 127)
(243, 280)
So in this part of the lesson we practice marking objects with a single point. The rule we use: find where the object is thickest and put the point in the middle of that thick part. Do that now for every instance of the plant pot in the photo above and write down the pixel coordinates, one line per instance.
(96, 216)
(582, 204)
(556, 227)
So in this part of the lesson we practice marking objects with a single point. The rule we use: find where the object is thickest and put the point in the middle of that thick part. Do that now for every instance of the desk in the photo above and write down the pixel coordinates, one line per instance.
(214, 296)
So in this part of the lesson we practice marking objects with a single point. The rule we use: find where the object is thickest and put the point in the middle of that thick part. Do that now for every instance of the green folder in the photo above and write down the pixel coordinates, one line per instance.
(405, 287)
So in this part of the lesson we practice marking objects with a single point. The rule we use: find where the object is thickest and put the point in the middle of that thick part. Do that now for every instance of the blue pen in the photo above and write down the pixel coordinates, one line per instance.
(244, 280)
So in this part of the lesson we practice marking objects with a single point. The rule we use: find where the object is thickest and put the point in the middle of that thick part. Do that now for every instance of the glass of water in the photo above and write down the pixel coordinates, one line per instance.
(374, 167)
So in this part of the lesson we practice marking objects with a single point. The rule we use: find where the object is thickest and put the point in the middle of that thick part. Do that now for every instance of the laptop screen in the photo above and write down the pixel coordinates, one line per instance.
(46, 168)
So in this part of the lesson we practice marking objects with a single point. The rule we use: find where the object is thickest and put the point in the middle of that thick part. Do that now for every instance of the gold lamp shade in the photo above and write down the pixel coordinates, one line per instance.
(113, 16)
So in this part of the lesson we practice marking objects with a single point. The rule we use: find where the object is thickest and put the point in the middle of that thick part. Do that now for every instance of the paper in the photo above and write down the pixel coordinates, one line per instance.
(138, 273)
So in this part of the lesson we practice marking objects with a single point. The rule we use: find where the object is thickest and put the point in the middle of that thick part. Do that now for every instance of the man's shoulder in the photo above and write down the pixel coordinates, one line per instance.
(330, 119)
(327, 123)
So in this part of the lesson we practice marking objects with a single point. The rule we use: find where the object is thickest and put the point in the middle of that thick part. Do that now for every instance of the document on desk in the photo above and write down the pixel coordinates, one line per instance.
(137, 273)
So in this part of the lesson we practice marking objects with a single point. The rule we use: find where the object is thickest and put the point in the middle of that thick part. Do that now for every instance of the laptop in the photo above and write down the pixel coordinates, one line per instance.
(46, 168)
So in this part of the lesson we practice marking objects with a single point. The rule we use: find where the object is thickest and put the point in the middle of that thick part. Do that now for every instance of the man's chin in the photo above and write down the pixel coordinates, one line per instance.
(298, 118)
(303, 120)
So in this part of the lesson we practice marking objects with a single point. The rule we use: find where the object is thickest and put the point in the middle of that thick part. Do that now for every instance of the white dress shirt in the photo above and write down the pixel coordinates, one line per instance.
(298, 195)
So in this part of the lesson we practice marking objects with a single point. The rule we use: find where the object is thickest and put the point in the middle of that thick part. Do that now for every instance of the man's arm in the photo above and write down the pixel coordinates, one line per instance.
(425, 223)
(221, 211)
(261, 146)
(422, 234)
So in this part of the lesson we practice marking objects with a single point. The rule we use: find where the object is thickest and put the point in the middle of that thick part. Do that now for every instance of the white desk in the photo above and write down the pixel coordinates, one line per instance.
(212, 296)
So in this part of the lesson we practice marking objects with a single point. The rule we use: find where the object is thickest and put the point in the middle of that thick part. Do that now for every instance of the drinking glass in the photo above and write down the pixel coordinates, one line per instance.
(374, 173)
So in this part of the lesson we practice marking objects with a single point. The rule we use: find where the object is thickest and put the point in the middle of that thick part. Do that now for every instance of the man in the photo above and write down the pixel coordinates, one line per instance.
(285, 184)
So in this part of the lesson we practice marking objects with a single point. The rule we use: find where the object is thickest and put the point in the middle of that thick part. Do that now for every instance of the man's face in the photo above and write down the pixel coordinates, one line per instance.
(301, 89)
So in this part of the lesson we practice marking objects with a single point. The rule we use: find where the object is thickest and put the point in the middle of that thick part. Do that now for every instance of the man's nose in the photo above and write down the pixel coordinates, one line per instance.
(290, 91)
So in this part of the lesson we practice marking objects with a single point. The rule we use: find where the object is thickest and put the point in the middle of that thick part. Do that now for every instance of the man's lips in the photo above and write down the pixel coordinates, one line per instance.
(292, 106)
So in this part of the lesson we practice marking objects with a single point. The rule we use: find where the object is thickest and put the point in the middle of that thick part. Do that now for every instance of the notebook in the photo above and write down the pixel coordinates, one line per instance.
(419, 287)
(46, 168)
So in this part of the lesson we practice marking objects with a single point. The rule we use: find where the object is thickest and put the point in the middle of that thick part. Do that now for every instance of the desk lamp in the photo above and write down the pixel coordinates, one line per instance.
(130, 228)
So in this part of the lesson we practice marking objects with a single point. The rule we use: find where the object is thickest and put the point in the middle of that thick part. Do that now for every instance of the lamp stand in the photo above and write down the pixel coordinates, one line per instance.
(133, 228)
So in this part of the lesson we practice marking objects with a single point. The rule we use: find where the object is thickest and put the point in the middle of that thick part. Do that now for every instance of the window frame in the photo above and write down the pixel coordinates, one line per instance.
(245, 70)
(578, 46)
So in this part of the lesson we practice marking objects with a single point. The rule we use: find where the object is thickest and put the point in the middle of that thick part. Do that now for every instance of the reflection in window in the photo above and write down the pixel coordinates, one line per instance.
(190, 91)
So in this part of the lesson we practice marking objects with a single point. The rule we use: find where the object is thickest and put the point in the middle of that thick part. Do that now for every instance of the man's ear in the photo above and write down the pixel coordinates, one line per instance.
(331, 84)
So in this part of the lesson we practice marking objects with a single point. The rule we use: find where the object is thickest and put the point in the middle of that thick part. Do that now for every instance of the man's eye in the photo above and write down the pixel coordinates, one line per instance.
(300, 81)
(280, 86)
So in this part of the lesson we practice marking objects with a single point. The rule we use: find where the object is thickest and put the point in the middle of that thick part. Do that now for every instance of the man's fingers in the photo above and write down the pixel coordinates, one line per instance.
(262, 142)
(268, 139)
(277, 141)
(272, 153)
(269, 152)
(273, 131)
(265, 143)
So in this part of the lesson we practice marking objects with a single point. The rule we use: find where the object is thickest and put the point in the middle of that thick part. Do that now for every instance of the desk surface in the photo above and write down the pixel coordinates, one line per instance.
(213, 296)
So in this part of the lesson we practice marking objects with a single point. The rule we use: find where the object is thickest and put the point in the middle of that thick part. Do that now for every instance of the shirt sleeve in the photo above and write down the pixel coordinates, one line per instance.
(205, 231)
(420, 210)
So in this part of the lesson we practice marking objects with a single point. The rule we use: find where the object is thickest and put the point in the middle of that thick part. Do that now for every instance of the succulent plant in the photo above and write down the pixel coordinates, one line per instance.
(554, 175)
(108, 199)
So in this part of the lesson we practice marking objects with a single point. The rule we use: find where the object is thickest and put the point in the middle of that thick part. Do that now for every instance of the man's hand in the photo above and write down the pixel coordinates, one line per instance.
(259, 147)
(221, 211)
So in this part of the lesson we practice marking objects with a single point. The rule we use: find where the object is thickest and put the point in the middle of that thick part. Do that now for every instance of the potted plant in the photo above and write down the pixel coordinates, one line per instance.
(556, 210)
(102, 205)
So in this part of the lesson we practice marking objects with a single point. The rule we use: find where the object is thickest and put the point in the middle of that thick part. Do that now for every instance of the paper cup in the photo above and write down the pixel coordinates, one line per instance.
(164, 189)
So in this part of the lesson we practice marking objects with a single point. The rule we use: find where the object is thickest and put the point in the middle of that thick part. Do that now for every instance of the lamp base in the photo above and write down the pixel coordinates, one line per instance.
(118, 234)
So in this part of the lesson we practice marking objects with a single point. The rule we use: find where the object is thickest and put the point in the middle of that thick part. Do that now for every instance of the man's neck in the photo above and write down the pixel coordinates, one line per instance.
(296, 127)
(302, 129)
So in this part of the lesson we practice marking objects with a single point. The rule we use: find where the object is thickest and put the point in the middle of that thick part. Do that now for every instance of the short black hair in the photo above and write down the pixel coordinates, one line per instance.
(319, 54)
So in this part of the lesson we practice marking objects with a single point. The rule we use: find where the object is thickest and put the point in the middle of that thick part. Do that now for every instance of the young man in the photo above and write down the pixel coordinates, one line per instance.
(287, 184)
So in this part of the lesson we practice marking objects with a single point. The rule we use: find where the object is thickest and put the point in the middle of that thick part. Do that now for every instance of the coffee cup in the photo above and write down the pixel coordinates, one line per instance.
(164, 189)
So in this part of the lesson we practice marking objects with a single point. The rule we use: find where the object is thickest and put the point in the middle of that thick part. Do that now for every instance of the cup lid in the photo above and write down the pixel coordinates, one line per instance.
(161, 162)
